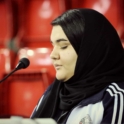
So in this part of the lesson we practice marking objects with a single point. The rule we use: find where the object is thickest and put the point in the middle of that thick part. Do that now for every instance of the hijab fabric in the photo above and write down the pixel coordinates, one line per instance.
(100, 62)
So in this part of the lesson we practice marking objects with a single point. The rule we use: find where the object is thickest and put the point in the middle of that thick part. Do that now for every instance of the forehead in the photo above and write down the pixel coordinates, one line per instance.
(57, 33)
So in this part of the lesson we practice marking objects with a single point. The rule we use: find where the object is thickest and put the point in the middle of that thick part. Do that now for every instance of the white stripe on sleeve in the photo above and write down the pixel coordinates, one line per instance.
(117, 94)
(115, 106)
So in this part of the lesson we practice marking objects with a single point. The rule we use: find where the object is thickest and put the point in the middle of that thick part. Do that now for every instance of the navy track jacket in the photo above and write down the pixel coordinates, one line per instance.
(105, 107)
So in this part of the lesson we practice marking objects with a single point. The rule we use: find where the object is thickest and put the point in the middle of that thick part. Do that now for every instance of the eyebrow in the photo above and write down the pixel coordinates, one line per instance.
(59, 40)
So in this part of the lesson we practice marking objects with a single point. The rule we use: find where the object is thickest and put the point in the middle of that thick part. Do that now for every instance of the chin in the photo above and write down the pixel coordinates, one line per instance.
(60, 78)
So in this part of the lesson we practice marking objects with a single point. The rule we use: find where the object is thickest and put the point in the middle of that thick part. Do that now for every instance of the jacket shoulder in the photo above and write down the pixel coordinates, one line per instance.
(113, 103)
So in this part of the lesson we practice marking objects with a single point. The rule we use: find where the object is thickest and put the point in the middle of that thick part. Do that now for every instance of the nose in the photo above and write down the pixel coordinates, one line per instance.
(54, 54)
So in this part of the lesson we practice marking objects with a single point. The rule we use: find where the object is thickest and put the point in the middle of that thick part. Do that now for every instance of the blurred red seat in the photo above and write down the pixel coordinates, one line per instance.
(39, 59)
(4, 60)
(38, 16)
(24, 91)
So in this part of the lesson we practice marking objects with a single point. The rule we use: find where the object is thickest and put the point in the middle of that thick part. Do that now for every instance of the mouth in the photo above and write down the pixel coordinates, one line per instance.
(57, 67)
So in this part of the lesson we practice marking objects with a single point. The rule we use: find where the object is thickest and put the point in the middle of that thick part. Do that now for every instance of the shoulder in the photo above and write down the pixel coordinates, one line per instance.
(45, 93)
(107, 106)
(48, 89)
(35, 111)
(113, 103)
(115, 91)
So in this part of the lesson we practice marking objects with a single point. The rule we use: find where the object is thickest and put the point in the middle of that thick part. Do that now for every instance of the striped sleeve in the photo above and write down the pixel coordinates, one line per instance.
(113, 103)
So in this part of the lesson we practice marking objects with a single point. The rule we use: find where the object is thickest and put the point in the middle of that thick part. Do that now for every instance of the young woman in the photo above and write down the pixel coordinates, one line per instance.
(89, 61)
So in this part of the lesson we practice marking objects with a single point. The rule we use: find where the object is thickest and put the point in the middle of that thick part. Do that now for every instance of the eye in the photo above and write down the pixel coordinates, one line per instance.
(64, 47)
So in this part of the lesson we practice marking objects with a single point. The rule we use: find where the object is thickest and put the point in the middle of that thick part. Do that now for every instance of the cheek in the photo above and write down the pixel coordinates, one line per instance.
(69, 58)
(66, 57)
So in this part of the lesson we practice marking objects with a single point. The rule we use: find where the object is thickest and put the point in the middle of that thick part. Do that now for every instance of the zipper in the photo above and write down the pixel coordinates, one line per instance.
(67, 112)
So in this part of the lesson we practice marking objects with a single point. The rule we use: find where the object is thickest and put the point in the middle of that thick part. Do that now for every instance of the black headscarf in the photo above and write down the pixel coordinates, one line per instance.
(100, 62)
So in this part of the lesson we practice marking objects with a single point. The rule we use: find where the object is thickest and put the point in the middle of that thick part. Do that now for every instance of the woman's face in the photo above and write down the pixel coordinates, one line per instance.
(63, 54)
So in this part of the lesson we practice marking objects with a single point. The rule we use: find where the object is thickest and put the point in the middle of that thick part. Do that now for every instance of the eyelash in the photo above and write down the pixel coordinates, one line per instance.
(64, 47)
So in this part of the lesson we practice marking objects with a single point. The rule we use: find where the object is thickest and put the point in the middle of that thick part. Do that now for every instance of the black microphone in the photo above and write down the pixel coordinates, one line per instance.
(23, 63)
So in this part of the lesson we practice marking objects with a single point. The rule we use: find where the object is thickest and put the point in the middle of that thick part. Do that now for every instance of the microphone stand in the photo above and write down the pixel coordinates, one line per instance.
(8, 75)
(23, 63)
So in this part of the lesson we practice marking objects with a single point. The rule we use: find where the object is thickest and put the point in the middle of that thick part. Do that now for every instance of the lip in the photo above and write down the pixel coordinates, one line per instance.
(57, 66)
